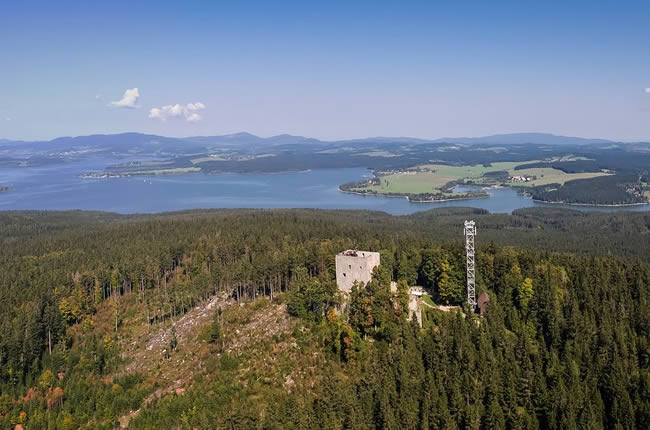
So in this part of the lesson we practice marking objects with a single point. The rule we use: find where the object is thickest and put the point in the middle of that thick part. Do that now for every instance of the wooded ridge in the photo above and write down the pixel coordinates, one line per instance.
(564, 344)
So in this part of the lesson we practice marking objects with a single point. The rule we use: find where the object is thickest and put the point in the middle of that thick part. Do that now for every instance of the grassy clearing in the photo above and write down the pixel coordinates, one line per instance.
(173, 170)
(378, 154)
(411, 182)
(143, 164)
(336, 150)
(472, 172)
(548, 175)
(226, 157)
(493, 149)
(571, 158)
(206, 159)
(432, 177)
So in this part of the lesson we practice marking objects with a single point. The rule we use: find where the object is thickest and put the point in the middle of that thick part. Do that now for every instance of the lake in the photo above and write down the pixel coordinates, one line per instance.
(58, 187)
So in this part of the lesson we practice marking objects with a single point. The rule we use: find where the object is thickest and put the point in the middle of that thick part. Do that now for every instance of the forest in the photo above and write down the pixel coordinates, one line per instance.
(575, 166)
(627, 186)
(620, 189)
(564, 343)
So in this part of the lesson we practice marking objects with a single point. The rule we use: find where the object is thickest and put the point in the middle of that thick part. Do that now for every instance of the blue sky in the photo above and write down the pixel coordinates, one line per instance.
(330, 70)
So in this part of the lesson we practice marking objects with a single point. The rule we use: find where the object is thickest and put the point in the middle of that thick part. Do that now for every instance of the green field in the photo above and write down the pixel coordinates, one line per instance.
(548, 175)
(173, 170)
(206, 159)
(431, 178)
(472, 172)
(411, 182)
(336, 150)
(229, 157)
(569, 158)
(378, 154)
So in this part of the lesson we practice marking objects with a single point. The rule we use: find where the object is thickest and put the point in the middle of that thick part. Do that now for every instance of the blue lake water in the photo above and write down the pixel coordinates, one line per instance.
(60, 187)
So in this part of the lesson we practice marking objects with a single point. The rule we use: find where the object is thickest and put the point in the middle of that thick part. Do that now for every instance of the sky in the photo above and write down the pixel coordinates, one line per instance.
(330, 70)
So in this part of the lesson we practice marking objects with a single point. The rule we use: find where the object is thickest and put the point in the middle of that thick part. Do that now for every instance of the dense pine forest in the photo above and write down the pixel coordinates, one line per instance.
(621, 189)
(232, 319)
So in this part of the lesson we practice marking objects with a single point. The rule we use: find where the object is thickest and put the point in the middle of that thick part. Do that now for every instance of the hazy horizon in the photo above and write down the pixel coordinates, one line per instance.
(434, 138)
(331, 72)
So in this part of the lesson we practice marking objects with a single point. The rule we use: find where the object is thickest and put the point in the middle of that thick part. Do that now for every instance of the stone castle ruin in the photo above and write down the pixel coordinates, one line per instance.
(353, 265)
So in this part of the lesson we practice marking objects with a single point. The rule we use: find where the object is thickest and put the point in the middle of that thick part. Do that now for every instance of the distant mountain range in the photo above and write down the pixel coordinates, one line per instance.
(199, 142)
(247, 153)
(520, 138)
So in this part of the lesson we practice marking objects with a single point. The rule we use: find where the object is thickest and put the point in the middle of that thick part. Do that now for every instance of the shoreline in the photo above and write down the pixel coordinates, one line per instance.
(603, 205)
(404, 196)
(450, 200)
(136, 173)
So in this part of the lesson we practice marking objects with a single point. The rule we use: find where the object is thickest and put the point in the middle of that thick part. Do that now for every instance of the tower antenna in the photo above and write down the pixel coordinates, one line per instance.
(470, 232)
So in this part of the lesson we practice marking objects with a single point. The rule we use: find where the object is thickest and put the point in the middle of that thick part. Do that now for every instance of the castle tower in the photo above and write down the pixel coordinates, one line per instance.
(353, 265)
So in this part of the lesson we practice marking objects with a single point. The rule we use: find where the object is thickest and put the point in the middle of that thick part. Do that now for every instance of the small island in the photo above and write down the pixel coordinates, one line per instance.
(4, 188)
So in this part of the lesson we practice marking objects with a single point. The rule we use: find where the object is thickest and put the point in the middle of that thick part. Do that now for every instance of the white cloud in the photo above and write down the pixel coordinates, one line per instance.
(647, 90)
(188, 111)
(129, 99)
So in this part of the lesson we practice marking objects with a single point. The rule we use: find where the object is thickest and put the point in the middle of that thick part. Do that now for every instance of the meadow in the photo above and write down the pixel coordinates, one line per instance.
(548, 175)
(430, 178)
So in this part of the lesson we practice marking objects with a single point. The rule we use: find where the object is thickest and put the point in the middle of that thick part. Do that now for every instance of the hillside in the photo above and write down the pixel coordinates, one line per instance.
(227, 319)
(520, 138)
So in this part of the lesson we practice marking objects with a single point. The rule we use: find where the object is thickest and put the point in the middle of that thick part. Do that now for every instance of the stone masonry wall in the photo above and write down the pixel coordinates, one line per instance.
(351, 268)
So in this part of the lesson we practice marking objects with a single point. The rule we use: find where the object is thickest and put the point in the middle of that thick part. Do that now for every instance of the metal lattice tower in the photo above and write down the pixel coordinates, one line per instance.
(470, 232)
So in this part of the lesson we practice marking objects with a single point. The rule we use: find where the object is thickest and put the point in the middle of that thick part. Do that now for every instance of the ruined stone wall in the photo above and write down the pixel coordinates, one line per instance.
(355, 268)
(415, 308)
